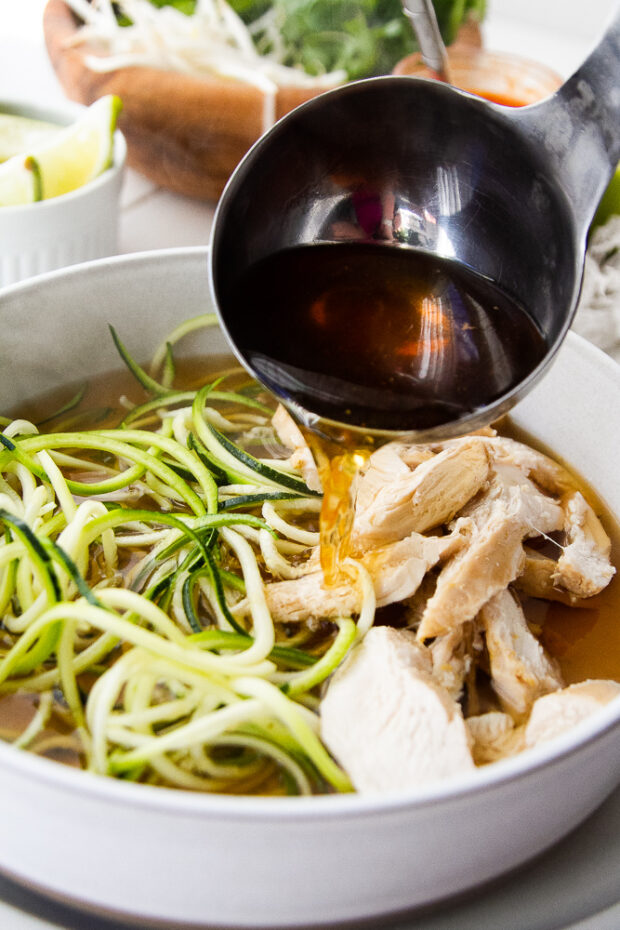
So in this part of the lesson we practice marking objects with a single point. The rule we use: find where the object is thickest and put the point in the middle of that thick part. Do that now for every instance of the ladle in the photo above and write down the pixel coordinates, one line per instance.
(414, 171)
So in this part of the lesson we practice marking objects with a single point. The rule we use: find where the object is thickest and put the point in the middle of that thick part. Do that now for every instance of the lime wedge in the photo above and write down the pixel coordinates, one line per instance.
(80, 152)
(20, 181)
(20, 134)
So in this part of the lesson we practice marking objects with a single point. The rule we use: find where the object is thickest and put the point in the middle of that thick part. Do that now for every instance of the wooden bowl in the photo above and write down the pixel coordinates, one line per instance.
(184, 133)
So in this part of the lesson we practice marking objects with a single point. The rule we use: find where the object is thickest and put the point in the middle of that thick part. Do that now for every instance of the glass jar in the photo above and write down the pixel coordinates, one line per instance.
(497, 76)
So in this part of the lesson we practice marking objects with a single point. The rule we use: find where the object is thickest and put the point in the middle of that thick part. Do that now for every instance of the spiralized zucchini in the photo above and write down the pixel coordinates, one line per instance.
(133, 563)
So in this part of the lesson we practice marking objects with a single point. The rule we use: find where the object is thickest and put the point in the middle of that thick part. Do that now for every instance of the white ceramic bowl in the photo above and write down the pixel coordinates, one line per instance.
(75, 227)
(155, 854)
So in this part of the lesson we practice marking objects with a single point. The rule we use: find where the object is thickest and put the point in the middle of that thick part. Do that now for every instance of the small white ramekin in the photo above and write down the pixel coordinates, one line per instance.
(65, 230)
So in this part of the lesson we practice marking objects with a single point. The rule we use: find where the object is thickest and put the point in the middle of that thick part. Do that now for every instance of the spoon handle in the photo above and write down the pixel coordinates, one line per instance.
(424, 21)
(579, 126)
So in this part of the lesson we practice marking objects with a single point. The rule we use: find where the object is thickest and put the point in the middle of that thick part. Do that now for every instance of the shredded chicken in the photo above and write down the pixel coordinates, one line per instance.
(396, 571)
(388, 721)
(539, 578)
(548, 474)
(584, 567)
(445, 529)
(292, 437)
(451, 661)
(492, 560)
(538, 513)
(394, 500)
(556, 713)
(509, 510)
(521, 670)
(494, 736)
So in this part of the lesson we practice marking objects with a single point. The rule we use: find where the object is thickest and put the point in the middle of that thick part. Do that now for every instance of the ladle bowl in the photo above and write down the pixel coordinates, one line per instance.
(416, 165)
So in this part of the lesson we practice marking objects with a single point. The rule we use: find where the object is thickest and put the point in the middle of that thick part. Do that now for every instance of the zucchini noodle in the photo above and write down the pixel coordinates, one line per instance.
(135, 564)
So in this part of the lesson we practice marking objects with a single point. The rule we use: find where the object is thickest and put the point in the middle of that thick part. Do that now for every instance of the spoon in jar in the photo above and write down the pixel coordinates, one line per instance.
(423, 18)
(401, 257)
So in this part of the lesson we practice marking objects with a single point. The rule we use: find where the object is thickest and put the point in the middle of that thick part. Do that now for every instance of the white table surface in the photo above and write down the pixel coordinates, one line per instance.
(576, 886)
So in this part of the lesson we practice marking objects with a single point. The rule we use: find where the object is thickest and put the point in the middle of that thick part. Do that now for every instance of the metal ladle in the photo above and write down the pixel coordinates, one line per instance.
(509, 193)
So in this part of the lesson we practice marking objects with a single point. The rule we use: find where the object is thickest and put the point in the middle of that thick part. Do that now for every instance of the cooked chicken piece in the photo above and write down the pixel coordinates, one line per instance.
(521, 670)
(536, 579)
(544, 471)
(486, 432)
(454, 656)
(390, 466)
(556, 713)
(584, 567)
(292, 437)
(510, 509)
(393, 501)
(387, 721)
(548, 474)
(417, 602)
(396, 571)
(451, 662)
(539, 579)
(492, 560)
(413, 454)
(494, 736)
(298, 600)
(539, 513)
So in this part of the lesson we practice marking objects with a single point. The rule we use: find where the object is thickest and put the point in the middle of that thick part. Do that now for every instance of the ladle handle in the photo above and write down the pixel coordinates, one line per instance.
(579, 126)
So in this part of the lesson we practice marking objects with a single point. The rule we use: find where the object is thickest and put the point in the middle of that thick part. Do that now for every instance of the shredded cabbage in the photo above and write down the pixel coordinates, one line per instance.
(213, 41)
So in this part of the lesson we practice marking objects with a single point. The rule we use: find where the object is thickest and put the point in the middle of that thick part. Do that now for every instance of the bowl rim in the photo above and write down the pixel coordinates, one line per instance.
(63, 114)
(161, 800)
(252, 808)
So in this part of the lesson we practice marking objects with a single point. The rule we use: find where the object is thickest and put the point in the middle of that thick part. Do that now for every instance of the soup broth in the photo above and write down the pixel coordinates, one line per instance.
(584, 639)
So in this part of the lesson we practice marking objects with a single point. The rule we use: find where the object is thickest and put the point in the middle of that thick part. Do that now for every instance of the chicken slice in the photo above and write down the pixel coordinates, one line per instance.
(292, 437)
(548, 474)
(396, 571)
(539, 513)
(393, 501)
(539, 579)
(556, 713)
(494, 736)
(510, 509)
(584, 567)
(451, 661)
(521, 670)
(486, 566)
(387, 721)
